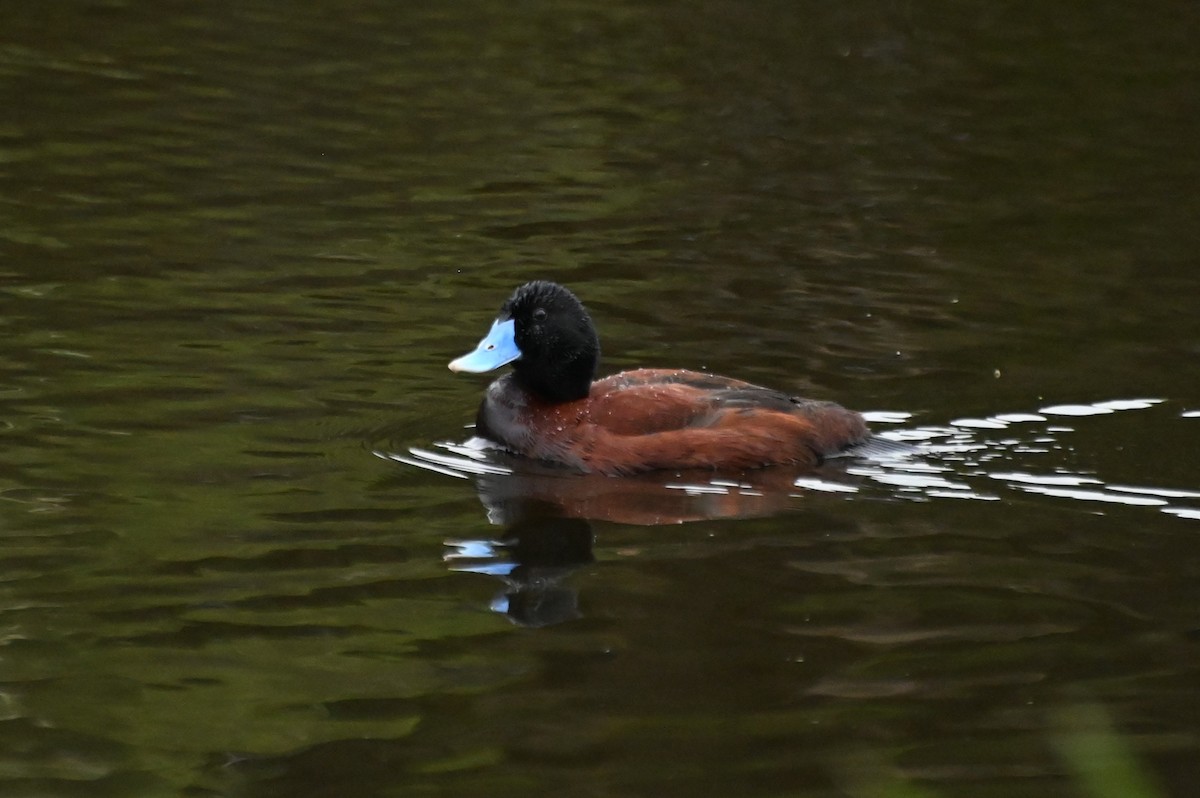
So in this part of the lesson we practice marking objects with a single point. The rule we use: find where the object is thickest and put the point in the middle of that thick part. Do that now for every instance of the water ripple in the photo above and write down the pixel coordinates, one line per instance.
(963, 451)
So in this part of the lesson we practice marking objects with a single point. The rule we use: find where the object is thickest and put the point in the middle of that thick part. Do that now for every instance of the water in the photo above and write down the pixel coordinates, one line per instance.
(246, 552)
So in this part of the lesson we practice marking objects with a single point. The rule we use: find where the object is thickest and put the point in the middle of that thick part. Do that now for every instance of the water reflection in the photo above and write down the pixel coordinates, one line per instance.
(533, 559)
(547, 513)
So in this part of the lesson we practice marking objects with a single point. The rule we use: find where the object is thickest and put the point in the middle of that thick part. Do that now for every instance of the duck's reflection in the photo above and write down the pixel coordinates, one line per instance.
(549, 535)
(547, 511)
(644, 500)
(533, 559)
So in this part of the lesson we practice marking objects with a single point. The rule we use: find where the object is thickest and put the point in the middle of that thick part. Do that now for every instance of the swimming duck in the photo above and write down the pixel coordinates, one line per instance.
(551, 406)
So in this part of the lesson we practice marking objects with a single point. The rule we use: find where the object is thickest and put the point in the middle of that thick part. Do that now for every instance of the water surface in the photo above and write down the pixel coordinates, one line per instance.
(244, 551)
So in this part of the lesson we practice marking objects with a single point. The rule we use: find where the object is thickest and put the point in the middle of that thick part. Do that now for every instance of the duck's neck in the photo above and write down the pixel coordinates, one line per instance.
(564, 381)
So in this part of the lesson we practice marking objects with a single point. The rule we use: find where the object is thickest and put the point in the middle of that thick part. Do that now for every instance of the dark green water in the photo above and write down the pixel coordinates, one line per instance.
(240, 554)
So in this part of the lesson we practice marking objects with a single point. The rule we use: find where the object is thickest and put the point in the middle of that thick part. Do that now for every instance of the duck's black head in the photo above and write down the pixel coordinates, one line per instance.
(544, 331)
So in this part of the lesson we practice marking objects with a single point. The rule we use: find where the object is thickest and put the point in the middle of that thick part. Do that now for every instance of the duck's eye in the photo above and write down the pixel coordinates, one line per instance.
(539, 314)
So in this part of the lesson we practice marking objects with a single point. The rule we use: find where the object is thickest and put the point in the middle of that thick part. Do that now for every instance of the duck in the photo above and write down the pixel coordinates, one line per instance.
(551, 406)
